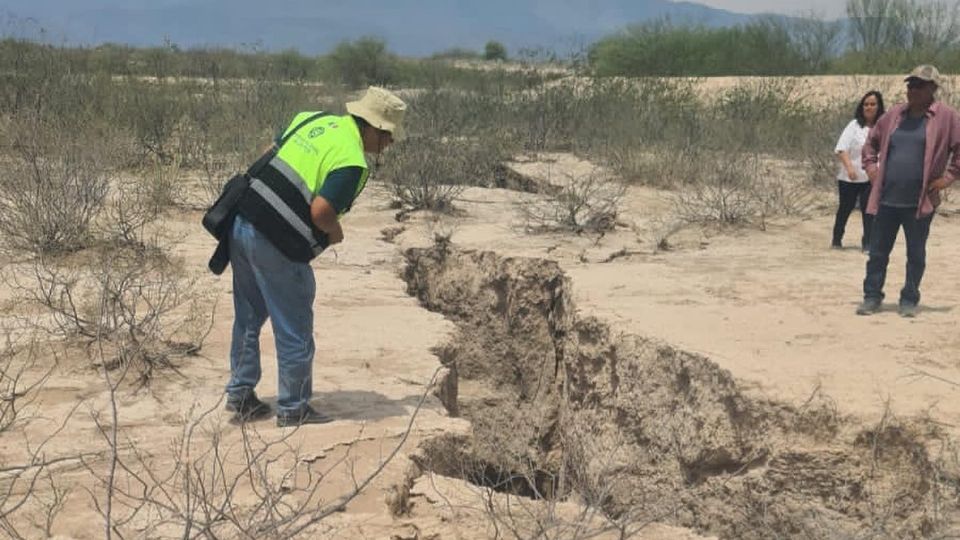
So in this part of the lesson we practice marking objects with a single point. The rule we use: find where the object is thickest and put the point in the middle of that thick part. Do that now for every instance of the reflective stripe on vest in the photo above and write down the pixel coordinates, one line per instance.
(294, 178)
(285, 212)
(320, 147)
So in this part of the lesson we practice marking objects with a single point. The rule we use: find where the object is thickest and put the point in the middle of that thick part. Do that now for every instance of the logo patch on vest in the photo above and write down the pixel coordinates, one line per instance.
(316, 132)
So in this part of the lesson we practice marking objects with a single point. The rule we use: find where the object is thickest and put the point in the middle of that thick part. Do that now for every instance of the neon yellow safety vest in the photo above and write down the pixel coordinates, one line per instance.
(321, 146)
(278, 200)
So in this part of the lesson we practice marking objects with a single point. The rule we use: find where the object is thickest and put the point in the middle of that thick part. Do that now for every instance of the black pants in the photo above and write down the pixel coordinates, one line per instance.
(886, 225)
(850, 194)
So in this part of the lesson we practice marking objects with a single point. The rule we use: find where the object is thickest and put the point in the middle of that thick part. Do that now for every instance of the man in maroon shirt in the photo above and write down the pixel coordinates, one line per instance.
(910, 155)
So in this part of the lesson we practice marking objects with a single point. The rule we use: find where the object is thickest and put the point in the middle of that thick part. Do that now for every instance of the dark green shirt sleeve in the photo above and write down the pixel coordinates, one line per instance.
(340, 187)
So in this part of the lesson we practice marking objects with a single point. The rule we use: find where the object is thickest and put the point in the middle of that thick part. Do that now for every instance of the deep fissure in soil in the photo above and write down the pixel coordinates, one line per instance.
(561, 405)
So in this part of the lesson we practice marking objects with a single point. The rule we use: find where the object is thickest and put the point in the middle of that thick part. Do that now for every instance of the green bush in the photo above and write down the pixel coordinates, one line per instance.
(494, 50)
(363, 62)
(758, 48)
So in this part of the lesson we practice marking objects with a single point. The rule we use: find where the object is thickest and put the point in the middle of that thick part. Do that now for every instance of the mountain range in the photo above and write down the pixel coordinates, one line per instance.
(410, 27)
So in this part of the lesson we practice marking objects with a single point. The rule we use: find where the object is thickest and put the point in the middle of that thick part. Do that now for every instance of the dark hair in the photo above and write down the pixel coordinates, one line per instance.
(861, 120)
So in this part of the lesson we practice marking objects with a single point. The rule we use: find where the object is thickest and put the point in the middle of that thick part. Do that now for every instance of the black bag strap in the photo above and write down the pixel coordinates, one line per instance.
(270, 154)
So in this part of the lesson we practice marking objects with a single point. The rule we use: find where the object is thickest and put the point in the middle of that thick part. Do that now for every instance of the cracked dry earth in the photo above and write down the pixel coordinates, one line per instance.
(588, 387)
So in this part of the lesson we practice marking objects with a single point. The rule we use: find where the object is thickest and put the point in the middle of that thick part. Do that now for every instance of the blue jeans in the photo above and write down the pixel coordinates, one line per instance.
(886, 225)
(268, 284)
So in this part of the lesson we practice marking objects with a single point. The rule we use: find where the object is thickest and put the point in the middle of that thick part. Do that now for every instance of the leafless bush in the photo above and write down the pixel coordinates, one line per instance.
(52, 192)
(154, 110)
(20, 379)
(214, 485)
(429, 173)
(164, 186)
(134, 300)
(739, 189)
(126, 217)
(580, 204)
(31, 495)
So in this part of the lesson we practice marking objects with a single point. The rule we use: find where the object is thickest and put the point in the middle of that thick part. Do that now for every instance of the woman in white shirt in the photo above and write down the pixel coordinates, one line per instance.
(852, 183)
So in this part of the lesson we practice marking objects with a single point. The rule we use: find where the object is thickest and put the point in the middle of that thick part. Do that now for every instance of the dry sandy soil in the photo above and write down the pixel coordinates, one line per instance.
(770, 313)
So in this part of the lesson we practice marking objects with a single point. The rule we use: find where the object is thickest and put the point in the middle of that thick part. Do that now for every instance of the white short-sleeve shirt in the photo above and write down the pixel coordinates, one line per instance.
(851, 141)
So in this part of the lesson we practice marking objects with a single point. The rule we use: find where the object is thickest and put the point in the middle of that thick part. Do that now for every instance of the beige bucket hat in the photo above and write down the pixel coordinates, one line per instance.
(925, 72)
(381, 109)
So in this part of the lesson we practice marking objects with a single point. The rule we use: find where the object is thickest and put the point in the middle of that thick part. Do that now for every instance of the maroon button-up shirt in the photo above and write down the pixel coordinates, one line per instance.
(940, 158)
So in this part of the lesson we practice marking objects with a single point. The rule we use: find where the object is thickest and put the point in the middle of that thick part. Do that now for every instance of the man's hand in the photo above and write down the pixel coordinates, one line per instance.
(852, 173)
(335, 236)
(938, 184)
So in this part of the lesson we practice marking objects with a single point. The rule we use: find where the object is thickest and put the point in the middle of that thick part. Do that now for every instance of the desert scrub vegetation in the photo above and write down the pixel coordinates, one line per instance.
(185, 120)
(713, 154)
(882, 36)
(53, 189)
(587, 203)
(740, 189)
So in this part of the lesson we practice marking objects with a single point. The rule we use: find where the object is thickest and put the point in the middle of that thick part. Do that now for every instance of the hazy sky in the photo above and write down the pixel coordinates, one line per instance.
(830, 9)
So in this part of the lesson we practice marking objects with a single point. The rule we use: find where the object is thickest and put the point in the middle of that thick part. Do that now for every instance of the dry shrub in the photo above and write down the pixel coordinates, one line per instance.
(764, 115)
(129, 212)
(53, 190)
(580, 203)
(738, 189)
(31, 493)
(154, 109)
(214, 483)
(20, 379)
(429, 173)
(139, 307)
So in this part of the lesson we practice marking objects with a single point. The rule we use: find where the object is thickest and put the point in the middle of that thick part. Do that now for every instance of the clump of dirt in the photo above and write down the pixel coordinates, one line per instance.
(562, 406)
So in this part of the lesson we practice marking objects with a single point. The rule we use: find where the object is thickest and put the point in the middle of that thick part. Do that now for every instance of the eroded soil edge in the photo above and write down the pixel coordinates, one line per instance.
(564, 407)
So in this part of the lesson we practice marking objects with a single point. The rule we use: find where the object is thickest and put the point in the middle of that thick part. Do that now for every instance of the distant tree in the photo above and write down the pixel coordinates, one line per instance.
(362, 62)
(816, 41)
(457, 53)
(934, 26)
(289, 64)
(904, 32)
(494, 50)
(878, 24)
(761, 47)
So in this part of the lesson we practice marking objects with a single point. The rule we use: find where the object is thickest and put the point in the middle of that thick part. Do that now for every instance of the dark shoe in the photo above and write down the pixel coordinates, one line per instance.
(869, 306)
(836, 245)
(907, 310)
(248, 407)
(306, 416)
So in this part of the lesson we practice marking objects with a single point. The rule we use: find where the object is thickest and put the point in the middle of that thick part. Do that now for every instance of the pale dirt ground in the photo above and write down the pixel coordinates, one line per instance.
(774, 307)
(373, 363)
